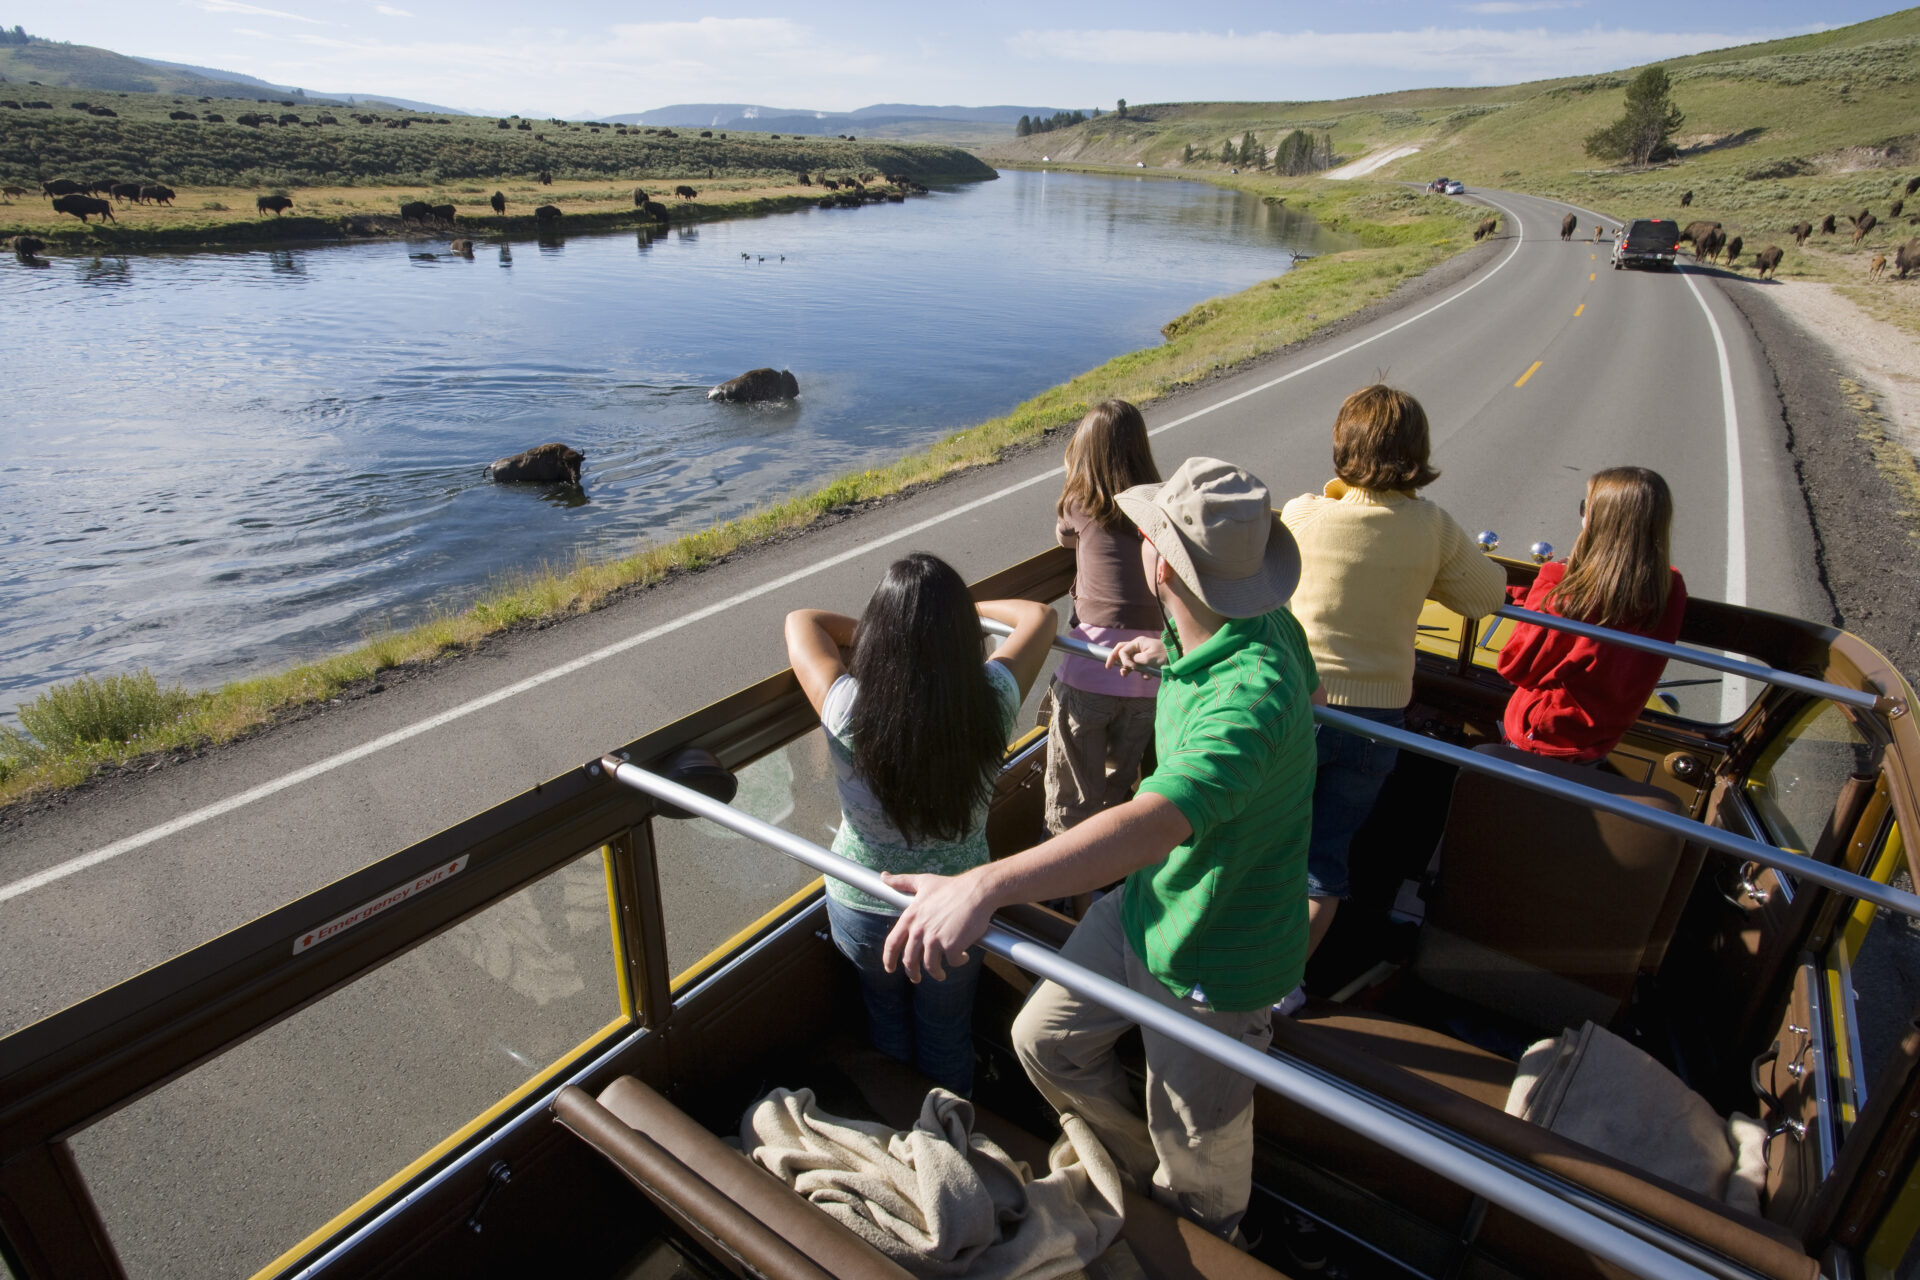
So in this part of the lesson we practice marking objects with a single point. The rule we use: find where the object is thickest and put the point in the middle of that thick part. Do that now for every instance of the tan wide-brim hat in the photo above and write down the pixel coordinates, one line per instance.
(1216, 527)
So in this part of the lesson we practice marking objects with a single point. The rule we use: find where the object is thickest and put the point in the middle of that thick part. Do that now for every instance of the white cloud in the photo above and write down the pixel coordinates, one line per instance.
(1520, 6)
(389, 11)
(1478, 55)
(254, 10)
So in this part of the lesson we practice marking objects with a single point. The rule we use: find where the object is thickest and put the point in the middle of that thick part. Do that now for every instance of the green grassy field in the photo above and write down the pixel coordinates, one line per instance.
(76, 729)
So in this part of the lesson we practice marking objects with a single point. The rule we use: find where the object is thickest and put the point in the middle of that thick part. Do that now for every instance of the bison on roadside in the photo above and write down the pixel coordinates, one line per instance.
(157, 194)
(1568, 225)
(1733, 251)
(1907, 258)
(275, 204)
(1708, 247)
(498, 201)
(542, 464)
(83, 207)
(1694, 232)
(1867, 222)
(1768, 260)
(1486, 228)
(61, 187)
(1800, 232)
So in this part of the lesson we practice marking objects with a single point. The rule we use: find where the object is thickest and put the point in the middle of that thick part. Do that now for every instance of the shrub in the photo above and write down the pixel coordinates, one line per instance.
(118, 709)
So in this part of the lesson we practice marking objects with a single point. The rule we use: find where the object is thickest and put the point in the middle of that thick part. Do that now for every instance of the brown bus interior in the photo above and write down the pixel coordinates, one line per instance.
(1487, 917)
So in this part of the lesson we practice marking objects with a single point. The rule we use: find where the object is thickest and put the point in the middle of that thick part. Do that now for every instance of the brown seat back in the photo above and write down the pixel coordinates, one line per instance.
(745, 1213)
(1547, 909)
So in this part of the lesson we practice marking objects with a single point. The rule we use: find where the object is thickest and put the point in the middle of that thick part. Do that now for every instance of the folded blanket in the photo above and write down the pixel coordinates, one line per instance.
(940, 1199)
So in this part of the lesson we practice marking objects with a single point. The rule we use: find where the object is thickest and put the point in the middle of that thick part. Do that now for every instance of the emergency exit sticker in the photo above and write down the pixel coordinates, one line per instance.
(362, 914)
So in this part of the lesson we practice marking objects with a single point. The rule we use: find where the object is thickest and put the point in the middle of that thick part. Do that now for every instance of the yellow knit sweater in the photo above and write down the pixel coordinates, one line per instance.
(1369, 558)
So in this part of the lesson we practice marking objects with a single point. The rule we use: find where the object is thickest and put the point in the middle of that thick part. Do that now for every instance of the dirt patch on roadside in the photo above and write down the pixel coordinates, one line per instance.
(1884, 359)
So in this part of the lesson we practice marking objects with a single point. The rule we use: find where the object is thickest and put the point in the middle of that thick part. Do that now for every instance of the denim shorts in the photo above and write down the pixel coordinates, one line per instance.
(1352, 771)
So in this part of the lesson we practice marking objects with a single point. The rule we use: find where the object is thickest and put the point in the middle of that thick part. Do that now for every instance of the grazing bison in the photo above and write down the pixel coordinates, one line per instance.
(126, 191)
(805, 181)
(1686, 199)
(1913, 185)
(546, 213)
(1867, 222)
(1694, 232)
(61, 187)
(1879, 266)
(829, 184)
(462, 247)
(25, 247)
(1733, 251)
(1568, 225)
(1894, 212)
(1907, 258)
(657, 211)
(1768, 260)
(639, 197)
(157, 194)
(276, 204)
(685, 192)
(542, 464)
(83, 207)
(1708, 247)
(545, 178)
(498, 201)
(181, 115)
(1860, 217)
(1800, 232)
(1826, 225)
(756, 385)
(1486, 228)
(415, 211)
(441, 213)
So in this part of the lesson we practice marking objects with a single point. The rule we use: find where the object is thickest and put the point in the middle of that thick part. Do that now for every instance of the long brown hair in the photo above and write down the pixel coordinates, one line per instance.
(1108, 452)
(1618, 573)
(927, 729)
(1380, 441)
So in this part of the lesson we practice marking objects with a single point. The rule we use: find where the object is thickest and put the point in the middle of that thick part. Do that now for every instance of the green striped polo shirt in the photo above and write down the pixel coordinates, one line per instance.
(1233, 731)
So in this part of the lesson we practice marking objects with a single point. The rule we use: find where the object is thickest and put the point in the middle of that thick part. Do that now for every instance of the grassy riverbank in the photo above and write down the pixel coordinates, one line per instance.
(75, 730)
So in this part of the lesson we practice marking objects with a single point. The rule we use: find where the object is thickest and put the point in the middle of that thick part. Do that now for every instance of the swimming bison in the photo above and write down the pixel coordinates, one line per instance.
(756, 385)
(275, 205)
(542, 464)
(83, 207)
(1568, 225)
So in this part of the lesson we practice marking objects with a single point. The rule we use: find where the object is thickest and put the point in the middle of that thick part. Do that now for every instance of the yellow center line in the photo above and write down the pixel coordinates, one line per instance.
(1590, 276)
(1528, 374)
(1582, 307)
(1592, 256)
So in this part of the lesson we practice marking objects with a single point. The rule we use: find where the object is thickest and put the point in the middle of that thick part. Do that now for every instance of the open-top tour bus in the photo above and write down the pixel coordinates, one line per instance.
(508, 1049)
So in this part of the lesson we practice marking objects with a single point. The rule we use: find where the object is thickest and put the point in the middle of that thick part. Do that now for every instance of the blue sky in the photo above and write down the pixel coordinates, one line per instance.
(590, 57)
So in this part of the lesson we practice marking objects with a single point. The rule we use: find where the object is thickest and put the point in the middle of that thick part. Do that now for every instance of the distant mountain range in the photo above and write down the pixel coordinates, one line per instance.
(883, 118)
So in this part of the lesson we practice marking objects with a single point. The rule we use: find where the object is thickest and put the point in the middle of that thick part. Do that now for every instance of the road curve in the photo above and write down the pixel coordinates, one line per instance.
(1540, 367)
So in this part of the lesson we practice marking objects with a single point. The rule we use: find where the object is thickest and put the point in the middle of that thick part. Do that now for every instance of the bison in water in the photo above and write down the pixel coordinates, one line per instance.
(542, 464)
(1568, 225)
(1865, 223)
(157, 194)
(415, 211)
(1686, 199)
(462, 247)
(273, 204)
(24, 247)
(498, 201)
(1768, 260)
(1800, 232)
(756, 385)
(1907, 258)
(83, 207)
(546, 214)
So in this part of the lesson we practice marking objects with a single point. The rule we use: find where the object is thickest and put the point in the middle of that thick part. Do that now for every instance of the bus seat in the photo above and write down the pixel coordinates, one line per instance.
(715, 1192)
(1452, 1084)
(1547, 910)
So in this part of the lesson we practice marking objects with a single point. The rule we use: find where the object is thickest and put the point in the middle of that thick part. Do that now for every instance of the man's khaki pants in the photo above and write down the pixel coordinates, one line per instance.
(1194, 1151)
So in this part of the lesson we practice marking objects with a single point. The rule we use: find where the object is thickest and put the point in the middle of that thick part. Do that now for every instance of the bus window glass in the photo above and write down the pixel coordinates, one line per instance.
(1873, 972)
(1794, 784)
(220, 1172)
(714, 884)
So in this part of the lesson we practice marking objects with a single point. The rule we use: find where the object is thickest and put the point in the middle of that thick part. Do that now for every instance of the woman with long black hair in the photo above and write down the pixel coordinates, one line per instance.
(916, 724)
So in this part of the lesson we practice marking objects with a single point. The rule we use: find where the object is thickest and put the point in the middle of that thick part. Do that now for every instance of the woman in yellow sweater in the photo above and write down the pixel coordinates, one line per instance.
(1372, 551)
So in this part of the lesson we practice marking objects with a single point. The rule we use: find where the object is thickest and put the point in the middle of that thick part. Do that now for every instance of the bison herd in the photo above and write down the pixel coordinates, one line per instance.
(1711, 244)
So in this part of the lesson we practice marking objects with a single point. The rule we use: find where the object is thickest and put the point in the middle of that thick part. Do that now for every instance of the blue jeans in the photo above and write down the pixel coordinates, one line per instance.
(1352, 771)
(928, 1024)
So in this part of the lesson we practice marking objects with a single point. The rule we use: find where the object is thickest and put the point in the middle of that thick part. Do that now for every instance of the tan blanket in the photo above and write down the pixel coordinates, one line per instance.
(940, 1199)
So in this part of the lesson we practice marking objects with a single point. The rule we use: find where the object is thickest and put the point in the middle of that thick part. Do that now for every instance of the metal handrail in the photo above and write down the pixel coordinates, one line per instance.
(1641, 1254)
(1715, 838)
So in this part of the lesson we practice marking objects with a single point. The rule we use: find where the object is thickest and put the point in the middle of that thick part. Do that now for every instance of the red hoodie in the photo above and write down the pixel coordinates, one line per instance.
(1575, 698)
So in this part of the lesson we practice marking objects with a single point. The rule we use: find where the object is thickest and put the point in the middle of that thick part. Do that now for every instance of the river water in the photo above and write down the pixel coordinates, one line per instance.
(218, 463)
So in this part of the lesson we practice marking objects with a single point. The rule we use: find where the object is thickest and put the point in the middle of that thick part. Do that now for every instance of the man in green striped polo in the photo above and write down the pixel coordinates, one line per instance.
(1212, 919)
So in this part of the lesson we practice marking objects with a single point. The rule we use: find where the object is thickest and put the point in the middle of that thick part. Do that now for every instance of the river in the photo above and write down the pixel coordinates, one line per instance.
(218, 463)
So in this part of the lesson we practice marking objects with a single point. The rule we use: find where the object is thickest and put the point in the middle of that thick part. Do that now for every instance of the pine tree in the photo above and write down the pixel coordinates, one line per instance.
(1186, 157)
(1229, 154)
(1121, 109)
(1024, 129)
(1643, 134)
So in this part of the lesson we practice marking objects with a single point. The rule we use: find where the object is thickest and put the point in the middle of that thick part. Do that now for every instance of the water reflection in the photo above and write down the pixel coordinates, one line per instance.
(245, 482)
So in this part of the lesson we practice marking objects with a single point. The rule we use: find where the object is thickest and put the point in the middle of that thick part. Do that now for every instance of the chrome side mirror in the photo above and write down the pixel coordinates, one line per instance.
(1541, 552)
(1489, 541)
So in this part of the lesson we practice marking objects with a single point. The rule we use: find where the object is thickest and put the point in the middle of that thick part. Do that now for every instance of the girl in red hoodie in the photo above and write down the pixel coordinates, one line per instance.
(1575, 698)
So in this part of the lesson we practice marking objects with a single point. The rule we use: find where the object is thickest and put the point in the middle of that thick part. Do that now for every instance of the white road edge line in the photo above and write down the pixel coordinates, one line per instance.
(207, 813)
(1733, 690)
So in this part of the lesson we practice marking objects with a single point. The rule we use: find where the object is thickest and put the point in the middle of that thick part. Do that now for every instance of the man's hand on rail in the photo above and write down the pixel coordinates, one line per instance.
(948, 914)
(1142, 654)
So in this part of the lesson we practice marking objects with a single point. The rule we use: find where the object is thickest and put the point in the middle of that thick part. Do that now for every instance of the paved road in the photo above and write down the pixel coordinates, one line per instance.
(1540, 367)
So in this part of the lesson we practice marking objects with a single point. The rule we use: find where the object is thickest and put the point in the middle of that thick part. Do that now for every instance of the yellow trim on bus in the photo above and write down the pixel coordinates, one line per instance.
(725, 949)
(613, 927)
(342, 1220)
(1901, 1223)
